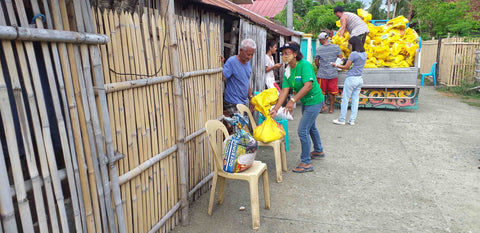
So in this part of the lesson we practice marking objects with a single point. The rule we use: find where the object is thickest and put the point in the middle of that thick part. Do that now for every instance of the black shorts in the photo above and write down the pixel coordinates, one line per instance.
(229, 109)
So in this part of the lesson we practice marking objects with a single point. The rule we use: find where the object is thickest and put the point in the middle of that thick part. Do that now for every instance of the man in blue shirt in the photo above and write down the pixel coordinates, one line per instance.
(236, 74)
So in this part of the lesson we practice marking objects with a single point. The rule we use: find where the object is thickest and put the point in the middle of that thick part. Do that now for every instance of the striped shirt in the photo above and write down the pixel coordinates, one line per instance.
(355, 24)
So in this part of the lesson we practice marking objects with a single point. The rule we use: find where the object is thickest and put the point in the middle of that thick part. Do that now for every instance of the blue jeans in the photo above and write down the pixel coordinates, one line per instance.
(351, 89)
(307, 127)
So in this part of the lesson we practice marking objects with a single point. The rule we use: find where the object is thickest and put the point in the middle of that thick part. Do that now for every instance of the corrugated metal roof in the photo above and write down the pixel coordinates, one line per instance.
(266, 8)
(236, 9)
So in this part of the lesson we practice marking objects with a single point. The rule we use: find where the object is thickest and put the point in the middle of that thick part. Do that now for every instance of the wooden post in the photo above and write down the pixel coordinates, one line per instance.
(439, 46)
(180, 126)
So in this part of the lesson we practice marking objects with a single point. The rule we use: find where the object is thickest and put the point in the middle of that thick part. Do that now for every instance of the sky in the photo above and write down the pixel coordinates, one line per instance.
(368, 2)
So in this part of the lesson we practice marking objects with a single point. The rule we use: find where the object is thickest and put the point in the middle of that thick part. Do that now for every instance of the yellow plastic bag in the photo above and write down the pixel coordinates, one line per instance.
(268, 131)
(264, 100)
(399, 22)
(364, 15)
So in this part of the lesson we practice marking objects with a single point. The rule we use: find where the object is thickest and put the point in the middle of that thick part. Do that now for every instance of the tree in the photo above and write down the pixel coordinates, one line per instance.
(320, 18)
(311, 17)
(376, 11)
(433, 18)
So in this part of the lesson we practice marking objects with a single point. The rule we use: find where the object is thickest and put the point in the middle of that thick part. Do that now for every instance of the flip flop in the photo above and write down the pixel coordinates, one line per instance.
(316, 156)
(303, 169)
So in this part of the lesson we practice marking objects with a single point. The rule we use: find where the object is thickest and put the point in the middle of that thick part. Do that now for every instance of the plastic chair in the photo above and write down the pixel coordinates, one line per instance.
(278, 145)
(432, 73)
(251, 175)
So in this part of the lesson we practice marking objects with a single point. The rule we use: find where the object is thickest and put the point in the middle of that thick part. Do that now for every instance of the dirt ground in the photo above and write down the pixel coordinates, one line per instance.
(394, 171)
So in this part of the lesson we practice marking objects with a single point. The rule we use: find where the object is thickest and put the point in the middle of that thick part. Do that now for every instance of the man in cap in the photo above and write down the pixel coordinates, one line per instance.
(326, 74)
(351, 23)
(236, 74)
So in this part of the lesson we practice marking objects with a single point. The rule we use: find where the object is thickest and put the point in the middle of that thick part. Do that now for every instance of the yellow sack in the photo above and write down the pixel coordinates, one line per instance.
(264, 100)
(364, 15)
(399, 22)
(268, 131)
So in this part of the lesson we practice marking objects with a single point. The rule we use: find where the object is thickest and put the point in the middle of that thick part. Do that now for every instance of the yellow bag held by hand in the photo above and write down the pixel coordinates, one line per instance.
(268, 131)
(265, 100)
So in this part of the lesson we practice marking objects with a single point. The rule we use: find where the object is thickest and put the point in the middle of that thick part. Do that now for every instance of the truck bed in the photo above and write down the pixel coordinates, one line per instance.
(393, 88)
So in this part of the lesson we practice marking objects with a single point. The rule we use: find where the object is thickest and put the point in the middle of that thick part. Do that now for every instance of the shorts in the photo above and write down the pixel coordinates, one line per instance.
(229, 109)
(329, 85)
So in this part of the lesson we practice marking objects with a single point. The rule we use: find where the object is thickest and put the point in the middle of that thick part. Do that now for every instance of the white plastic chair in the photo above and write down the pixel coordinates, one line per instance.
(278, 145)
(251, 175)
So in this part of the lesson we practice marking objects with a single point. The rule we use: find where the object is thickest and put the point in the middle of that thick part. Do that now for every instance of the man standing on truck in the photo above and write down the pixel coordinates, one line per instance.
(326, 74)
(352, 23)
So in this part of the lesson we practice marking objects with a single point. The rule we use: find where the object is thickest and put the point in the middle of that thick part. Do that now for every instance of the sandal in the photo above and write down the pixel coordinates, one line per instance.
(301, 169)
(324, 109)
(316, 155)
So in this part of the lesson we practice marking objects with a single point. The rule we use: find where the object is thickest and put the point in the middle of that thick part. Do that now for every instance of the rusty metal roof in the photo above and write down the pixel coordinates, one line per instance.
(266, 8)
(257, 19)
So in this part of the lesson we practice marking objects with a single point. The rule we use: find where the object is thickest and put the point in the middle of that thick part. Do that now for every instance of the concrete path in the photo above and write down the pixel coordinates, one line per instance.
(394, 171)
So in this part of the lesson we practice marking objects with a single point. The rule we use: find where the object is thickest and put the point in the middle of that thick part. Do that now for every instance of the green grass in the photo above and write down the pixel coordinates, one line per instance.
(470, 97)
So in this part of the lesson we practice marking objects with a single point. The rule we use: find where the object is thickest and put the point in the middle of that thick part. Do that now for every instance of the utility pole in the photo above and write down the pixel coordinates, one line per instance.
(290, 14)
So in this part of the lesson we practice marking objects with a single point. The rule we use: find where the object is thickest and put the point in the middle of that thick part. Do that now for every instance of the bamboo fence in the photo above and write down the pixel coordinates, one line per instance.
(129, 115)
(429, 55)
(457, 60)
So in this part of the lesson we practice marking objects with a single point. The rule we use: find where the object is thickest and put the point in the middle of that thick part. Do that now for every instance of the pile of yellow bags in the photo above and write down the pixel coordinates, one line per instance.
(388, 45)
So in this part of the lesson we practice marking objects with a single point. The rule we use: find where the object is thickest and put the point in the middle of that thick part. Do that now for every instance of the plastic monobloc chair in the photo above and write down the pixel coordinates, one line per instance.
(278, 145)
(432, 73)
(251, 175)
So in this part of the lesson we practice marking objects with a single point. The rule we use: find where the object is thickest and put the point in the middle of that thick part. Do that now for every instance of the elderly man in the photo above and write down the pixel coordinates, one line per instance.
(352, 23)
(236, 74)
(326, 74)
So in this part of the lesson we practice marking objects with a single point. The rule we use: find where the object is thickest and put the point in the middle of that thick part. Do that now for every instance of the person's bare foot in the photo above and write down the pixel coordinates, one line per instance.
(331, 109)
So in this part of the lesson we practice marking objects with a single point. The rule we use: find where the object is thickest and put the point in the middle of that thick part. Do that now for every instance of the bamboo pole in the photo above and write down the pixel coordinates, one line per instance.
(165, 125)
(135, 145)
(7, 211)
(15, 164)
(39, 94)
(151, 145)
(70, 106)
(118, 116)
(27, 141)
(97, 65)
(97, 130)
(126, 190)
(146, 165)
(132, 133)
(68, 146)
(140, 118)
(109, 158)
(156, 69)
(103, 27)
(80, 95)
(47, 35)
